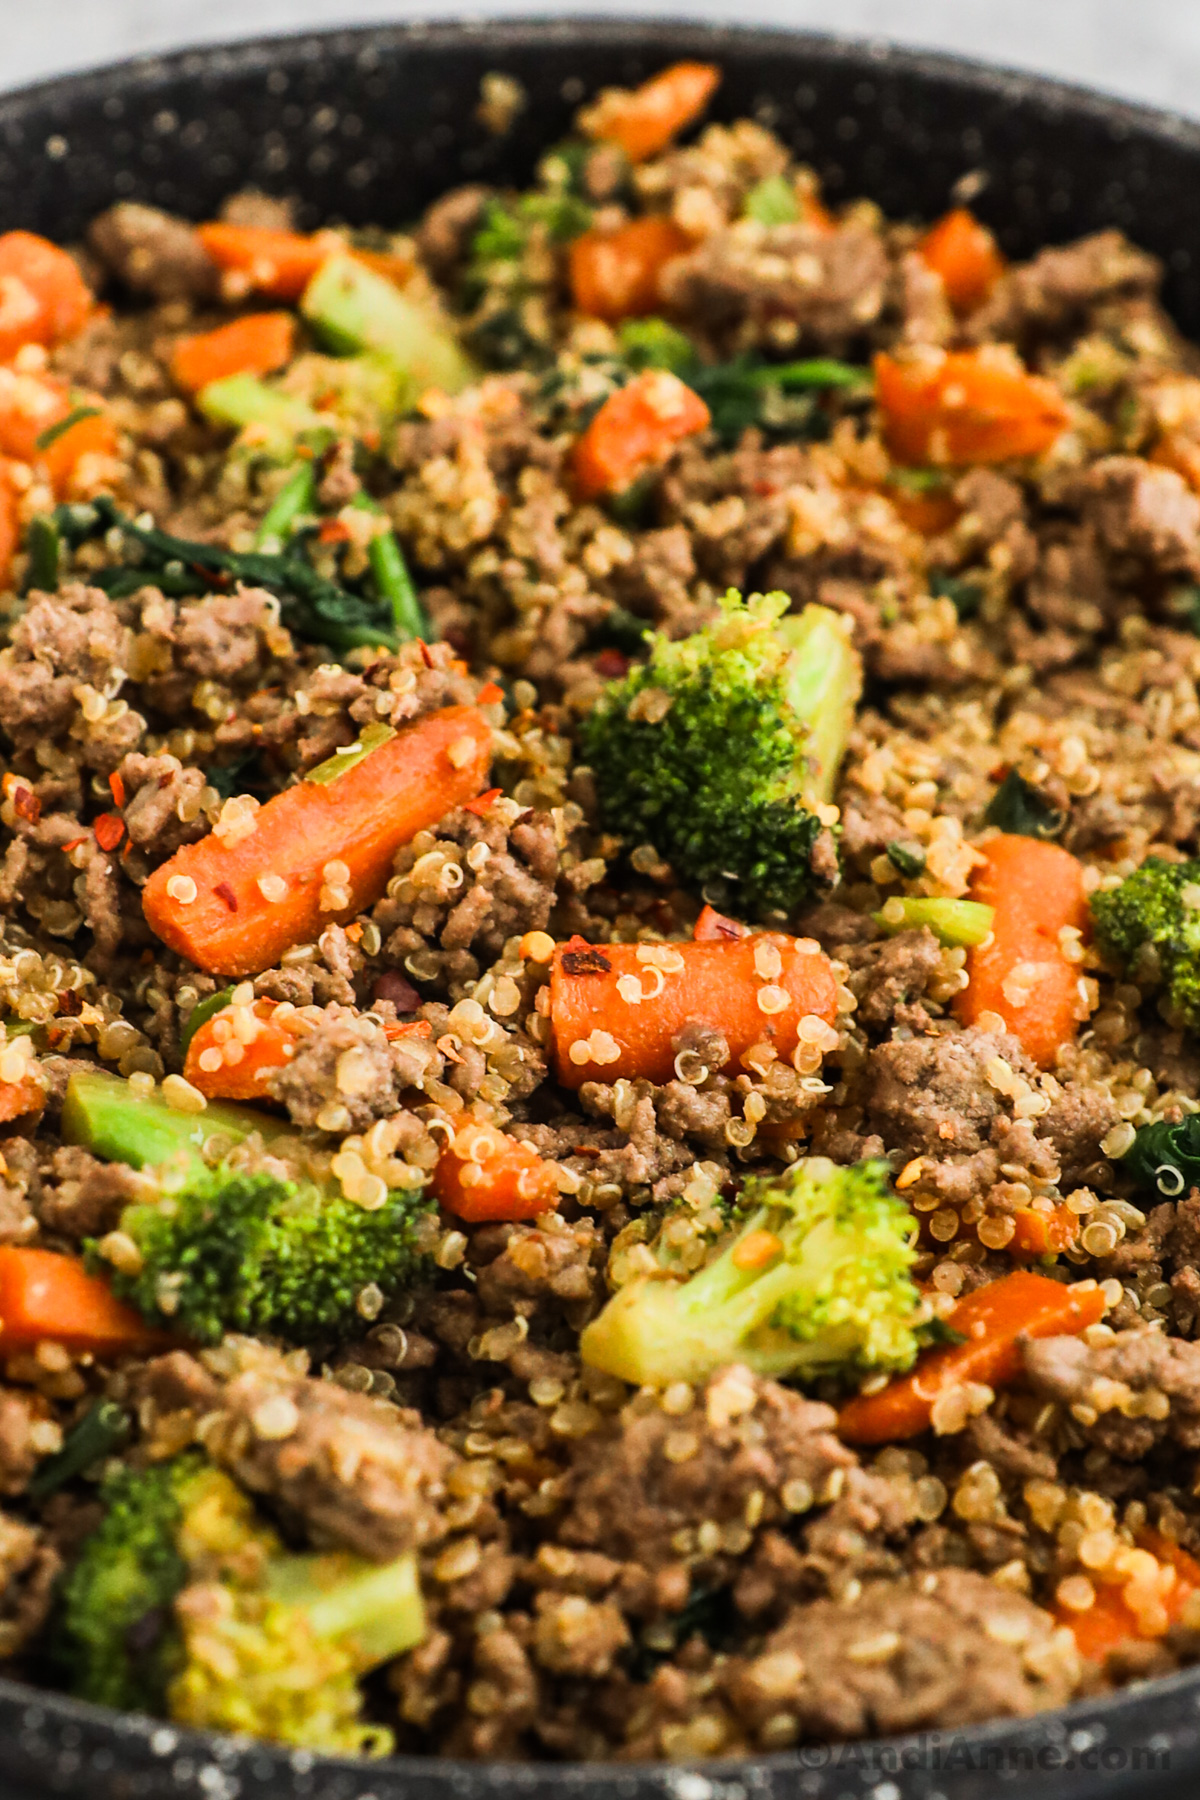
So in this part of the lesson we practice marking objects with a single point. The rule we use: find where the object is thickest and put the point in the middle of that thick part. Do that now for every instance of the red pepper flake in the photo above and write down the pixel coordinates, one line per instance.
(26, 804)
(423, 647)
(449, 1049)
(408, 1028)
(333, 531)
(489, 694)
(482, 803)
(612, 664)
(73, 845)
(116, 788)
(109, 831)
(586, 962)
(227, 895)
(69, 1003)
(587, 1150)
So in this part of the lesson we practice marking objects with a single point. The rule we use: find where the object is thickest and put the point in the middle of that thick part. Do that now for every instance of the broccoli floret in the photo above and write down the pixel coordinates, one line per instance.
(1151, 923)
(244, 1251)
(718, 748)
(814, 1279)
(182, 1603)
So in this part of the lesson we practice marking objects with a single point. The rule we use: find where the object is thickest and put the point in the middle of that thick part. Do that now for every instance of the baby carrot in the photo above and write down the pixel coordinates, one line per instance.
(966, 406)
(252, 345)
(1022, 974)
(47, 1296)
(320, 851)
(484, 1174)
(614, 274)
(614, 1008)
(991, 1320)
(963, 252)
(635, 429)
(644, 120)
(233, 1054)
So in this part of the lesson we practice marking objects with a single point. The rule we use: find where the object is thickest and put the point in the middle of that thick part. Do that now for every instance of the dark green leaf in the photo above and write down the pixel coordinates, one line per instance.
(1018, 807)
(966, 594)
(620, 630)
(44, 546)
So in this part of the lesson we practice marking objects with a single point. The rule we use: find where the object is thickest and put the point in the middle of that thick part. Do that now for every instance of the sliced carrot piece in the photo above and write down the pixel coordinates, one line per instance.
(964, 253)
(219, 902)
(966, 406)
(645, 120)
(484, 1174)
(10, 522)
(614, 274)
(29, 405)
(94, 435)
(233, 1055)
(19, 1098)
(253, 345)
(614, 1008)
(47, 1296)
(991, 1320)
(635, 429)
(43, 297)
(713, 927)
(277, 263)
(1035, 889)
(1110, 1621)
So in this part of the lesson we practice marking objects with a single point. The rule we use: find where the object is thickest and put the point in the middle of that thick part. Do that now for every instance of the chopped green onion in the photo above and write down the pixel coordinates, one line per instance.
(393, 582)
(60, 427)
(102, 1429)
(295, 498)
(44, 547)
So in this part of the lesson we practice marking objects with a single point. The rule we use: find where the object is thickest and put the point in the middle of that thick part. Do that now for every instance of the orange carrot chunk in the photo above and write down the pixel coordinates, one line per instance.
(1110, 1620)
(484, 1174)
(614, 1008)
(645, 120)
(277, 263)
(319, 852)
(17, 1098)
(635, 429)
(93, 436)
(963, 252)
(614, 274)
(253, 345)
(44, 1295)
(991, 1320)
(43, 297)
(966, 406)
(233, 1055)
(1035, 889)
(1043, 1234)
(10, 522)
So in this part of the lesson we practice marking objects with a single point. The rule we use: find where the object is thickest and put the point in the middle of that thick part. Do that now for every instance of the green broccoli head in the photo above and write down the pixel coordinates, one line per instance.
(814, 1278)
(718, 749)
(235, 1250)
(182, 1602)
(1152, 922)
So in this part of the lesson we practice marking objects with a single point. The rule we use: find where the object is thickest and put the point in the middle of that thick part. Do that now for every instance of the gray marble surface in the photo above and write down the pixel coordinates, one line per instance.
(1145, 49)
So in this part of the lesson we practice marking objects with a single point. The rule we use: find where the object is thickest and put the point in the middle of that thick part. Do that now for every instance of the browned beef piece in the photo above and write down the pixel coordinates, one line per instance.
(153, 252)
(1076, 1122)
(446, 230)
(946, 1648)
(557, 1271)
(1144, 512)
(831, 286)
(652, 1475)
(82, 1197)
(162, 808)
(24, 1420)
(1130, 1394)
(1058, 287)
(29, 1569)
(1009, 1452)
(355, 1473)
(345, 1059)
(892, 974)
(57, 644)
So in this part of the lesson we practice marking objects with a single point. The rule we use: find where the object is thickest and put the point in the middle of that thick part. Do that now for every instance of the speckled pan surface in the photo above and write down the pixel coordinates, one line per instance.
(369, 126)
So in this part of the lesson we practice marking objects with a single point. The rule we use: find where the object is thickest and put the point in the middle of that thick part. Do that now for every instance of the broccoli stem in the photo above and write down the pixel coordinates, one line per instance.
(295, 498)
(102, 1429)
(373, 1611)
(102, 1114)
(953, 922)
(279, 419)
(355, 309)
(392, 579)
(823, 681)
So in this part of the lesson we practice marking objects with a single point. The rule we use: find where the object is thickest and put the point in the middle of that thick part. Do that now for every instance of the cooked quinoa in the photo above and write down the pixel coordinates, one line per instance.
(604, 1568)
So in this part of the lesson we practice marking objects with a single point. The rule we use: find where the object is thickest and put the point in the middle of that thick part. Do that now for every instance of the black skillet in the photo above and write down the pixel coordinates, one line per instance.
(368, 126)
